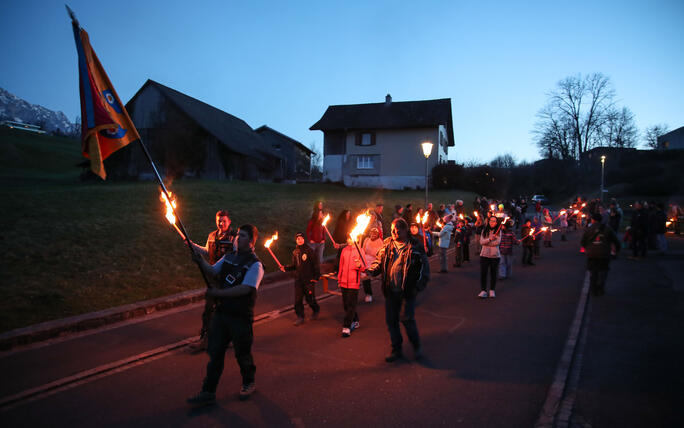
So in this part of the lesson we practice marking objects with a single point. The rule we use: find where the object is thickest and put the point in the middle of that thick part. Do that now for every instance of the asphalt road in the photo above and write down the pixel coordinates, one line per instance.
(489, 363)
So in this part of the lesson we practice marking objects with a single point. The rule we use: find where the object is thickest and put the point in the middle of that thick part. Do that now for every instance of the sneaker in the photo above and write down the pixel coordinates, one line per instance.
(199, 346)
(346, 332)
(393, 356)
(247, 390)
(482, 295)
(368, 298)
(355, 325)
(299, 322)
(314, 316)
(202, 398)
(492, 293)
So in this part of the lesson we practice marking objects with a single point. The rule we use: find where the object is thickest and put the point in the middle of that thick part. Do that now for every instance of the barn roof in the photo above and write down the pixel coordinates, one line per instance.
(233, 132)
(266, 130)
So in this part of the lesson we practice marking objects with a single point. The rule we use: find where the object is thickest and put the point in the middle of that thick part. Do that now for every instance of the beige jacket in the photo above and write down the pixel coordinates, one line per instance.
(490, 245)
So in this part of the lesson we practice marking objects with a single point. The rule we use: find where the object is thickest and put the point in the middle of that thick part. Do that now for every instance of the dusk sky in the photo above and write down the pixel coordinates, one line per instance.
(283, 63)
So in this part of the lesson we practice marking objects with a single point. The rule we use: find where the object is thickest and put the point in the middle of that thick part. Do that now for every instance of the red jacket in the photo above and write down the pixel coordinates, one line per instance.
(315, 232)
(349, 275)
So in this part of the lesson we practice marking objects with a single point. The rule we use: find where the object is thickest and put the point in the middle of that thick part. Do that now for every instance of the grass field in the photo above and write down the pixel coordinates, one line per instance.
(70, 247)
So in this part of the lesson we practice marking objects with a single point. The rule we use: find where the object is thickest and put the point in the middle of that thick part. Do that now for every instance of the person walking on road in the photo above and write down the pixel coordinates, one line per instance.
(349, 278)
(405, 271)
(307, 271)
(527, 238)
(219, 243)
(234, 281)
(506, 250)
(490, 238)
(444, 236)
(371, 246)
(597, 242)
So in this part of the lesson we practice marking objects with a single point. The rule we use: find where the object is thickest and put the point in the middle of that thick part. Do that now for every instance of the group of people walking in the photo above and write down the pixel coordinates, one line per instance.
(400, 258)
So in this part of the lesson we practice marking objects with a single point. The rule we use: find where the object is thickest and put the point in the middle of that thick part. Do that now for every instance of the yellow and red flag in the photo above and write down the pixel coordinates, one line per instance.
(105, 124)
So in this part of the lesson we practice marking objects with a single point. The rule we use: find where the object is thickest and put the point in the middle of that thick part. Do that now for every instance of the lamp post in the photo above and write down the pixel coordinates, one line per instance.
(427, 149)
(603, 164)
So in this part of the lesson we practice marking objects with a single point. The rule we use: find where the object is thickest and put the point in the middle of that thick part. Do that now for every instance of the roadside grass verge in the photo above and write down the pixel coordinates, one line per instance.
(70, 248)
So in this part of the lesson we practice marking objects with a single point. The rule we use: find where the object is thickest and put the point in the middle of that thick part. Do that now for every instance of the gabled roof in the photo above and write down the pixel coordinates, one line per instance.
(263, 129)
(233, 132)
(388, 115)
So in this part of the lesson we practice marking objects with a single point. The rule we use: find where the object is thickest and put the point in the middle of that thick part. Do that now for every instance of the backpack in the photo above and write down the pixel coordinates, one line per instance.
(599, 245)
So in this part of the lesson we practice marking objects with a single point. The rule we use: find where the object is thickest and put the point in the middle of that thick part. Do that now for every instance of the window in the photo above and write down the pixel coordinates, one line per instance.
(364, 162)
(365, 139)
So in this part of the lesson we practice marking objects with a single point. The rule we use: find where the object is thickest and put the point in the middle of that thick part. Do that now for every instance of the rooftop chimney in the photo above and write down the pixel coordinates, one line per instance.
(388, 99)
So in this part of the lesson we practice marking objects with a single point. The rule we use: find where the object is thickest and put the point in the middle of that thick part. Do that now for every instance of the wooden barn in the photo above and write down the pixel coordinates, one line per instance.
(189, 138)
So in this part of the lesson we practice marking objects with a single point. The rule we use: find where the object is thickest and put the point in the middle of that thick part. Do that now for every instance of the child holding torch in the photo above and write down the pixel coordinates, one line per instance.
(527, 238)
(307, 271)
(348, 278)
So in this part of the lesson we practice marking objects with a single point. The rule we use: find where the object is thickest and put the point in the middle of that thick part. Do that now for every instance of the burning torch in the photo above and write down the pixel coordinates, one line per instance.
(268, 243)
(325, 221)
(362, 221)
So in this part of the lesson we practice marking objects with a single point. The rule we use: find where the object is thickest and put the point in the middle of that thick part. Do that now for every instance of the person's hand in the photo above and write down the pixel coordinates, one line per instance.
(196, 257)
(313, 281)
(337, 246)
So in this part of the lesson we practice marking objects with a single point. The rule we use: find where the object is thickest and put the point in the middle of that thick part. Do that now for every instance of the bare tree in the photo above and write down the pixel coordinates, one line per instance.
(651, 134)
(571, 122)
(316, 162)
(505, 161)
(619, 129)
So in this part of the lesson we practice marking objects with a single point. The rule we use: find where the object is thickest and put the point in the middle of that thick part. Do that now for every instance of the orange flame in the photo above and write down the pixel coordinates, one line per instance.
(362, 221)
(439, 224)
(460, 216)
(476, 213)
(576, 212)
(417, 218)
(170, 206)
(325, 220)
(531, 232)
(544, 229)
(268, 243)
(425, 218)
(563, 212)
(492, 207)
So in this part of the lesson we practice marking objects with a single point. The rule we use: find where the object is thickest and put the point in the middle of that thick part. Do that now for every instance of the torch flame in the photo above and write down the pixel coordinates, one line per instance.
(417, 218)
(425, 218)
(362, 221)
(576, 212)
(170, 206)
(492, 207)
(584, 205)
(268, 243)
(325, 220)
(439, 224)
(531, 232)
(476, 213)
(563, 212)
(460, 216)
(544, 229)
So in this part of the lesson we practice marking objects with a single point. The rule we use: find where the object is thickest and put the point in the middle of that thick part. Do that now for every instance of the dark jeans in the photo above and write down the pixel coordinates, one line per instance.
(491, 265)
(640, 246)
(597, 281)
(207, 315)
(527, 255)
(367, 289)
(458, 254)
(305, 290)
(398, 307)
(466, 251)
(225, 329)
(350, 298)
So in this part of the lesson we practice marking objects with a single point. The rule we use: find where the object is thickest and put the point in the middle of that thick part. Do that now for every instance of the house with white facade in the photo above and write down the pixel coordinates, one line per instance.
(379, 144)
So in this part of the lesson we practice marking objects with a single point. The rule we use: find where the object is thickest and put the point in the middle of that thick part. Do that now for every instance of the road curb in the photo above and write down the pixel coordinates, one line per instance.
(554, 397)
(78, 323)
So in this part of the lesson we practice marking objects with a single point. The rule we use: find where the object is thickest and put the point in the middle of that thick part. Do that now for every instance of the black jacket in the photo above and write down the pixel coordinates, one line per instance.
(305, 264)
(416, 268)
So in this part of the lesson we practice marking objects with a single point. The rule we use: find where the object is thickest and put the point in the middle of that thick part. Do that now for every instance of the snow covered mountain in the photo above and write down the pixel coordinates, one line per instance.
(15, 109)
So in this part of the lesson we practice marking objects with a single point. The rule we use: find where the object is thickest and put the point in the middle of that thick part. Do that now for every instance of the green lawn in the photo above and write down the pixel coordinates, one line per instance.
(70, 247)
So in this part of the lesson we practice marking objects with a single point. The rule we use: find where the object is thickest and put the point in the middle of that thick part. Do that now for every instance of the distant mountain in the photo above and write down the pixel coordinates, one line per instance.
(16, 109)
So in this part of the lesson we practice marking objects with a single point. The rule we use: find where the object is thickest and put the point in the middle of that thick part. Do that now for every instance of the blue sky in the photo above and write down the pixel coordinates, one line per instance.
(283, 63)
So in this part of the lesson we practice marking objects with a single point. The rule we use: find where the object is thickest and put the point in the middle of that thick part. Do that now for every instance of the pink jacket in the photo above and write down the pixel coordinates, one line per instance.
(349, 275)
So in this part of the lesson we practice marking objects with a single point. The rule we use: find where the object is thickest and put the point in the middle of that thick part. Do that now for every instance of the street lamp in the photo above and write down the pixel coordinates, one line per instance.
(603, 164)
(427, 149)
